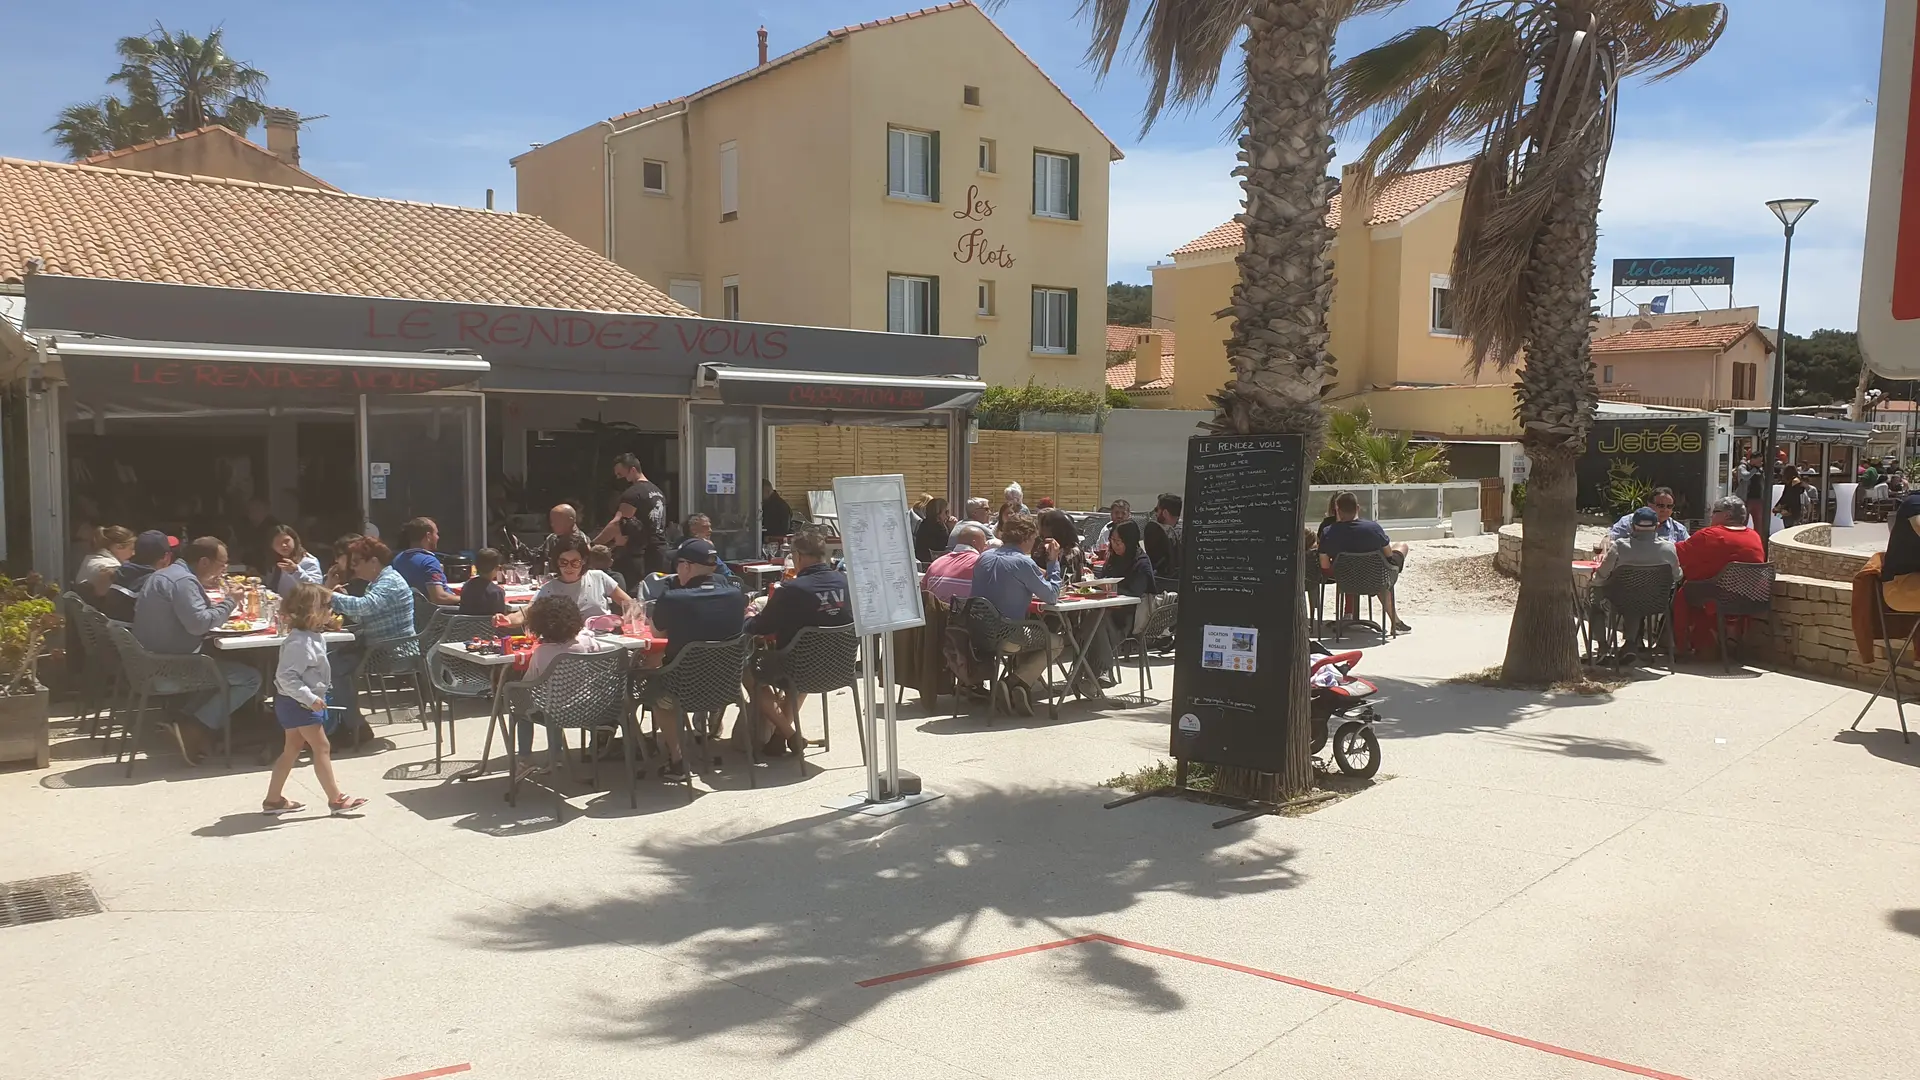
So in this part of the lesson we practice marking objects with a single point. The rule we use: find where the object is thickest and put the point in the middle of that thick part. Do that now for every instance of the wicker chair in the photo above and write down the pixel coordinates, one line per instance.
(1359, 574)
(587, 691)
(1739, 589)
(451, 677)
(98, 671)
(1004, 640)
(1640, 604)
(149, 675)
(704, 676)
(820, 660)
(1159, 622)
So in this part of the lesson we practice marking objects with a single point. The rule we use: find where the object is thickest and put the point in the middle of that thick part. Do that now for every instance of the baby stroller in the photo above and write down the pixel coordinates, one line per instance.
(1339, 701)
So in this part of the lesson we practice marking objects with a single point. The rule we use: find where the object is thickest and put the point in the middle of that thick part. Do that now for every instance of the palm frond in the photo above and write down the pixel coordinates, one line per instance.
(1677, 40)
(1386, 76)
(1181, 46)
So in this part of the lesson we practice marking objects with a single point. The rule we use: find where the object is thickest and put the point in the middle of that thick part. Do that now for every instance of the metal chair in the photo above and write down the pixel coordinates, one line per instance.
(1360, 574)
(149, 675)
(1005, 640)
(820, 660)
(423, 611)
(1159, 622)
(1640, 599)
(1738, 590)
(1896, 656)
(587, 691)
(451, 677)
(704, 676)
(98, 671)
(394, 658)
(1317, 582)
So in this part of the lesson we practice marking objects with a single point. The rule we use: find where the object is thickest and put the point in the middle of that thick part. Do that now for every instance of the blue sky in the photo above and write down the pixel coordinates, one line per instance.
(428, 99)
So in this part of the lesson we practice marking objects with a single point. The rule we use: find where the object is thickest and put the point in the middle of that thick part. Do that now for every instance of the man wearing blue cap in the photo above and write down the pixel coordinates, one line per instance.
(698, 605)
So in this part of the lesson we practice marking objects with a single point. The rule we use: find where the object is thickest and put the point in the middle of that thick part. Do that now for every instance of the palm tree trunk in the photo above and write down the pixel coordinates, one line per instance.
(1279, 345)
(1557, 398)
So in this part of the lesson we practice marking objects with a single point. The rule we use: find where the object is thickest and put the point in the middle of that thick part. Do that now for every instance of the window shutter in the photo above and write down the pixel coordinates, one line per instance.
(1073, 321)
(933, 301)
(1034, 335)
(1073, 191)
(1039, 183)
(896, 162)
(933, 166)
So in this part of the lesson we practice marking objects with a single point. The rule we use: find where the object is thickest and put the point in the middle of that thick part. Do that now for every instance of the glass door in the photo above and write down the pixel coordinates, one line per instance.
(722, 475)
(420, 457)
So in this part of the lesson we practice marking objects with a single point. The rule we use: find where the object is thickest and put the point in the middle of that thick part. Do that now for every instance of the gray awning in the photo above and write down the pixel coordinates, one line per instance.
(119, 369)
(840, 390)
(1798, 428)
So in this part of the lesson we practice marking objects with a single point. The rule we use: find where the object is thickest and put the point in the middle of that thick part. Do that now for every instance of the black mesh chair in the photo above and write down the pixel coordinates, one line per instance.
(389, 660)
(1317, 582)
(704, 676)
(1738, 590)
(1159, 622)
(149, 675)
(1357, 575)
(586, 691)
(1640, 607)
(423, 611)
(451, 677)
(94, 662)
(820, 660)
(1004, 641)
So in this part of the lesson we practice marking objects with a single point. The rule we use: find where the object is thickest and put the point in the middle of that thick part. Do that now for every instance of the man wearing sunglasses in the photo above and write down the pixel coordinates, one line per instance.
(1669, 527)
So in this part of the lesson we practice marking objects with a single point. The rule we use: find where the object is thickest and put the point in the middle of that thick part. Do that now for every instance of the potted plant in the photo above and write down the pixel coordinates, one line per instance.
(27, 618)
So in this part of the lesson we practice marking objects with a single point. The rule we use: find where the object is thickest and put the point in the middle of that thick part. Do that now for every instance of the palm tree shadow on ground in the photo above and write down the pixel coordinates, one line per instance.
(785, 921)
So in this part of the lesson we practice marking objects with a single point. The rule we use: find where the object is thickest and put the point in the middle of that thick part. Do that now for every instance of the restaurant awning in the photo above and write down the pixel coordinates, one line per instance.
(1798, 428)
(840, 390)
(120, 369)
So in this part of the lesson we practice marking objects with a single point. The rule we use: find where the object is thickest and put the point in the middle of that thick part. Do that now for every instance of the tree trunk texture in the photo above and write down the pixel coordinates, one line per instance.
(1279, 345)
(1557, 397)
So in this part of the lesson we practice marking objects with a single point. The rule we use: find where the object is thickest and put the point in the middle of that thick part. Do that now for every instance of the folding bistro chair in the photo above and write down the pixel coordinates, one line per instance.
(1360, 575)
(389, 659)
(1738, 590)
(1640, 600)
(1158, 622)
(820, 660)
(1005, 640)
(587, 691)
(451, 677)
(1894, 657)
(99, 671)
(150, 675)
(704, 676)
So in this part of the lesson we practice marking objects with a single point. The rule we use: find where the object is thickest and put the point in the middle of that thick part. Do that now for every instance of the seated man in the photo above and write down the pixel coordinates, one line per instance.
(152, 551)
(565, 522)
(1009, 577)
(951, 575)
(816, 595)
(1643, 546)
(419, 567)
(1351, 534)
(700, 527)
(699, 606)
(1704, 554)
(1668, 527)
(173, 615)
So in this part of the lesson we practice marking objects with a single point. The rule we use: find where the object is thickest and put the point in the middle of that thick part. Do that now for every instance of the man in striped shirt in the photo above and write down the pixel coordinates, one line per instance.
(951, 574)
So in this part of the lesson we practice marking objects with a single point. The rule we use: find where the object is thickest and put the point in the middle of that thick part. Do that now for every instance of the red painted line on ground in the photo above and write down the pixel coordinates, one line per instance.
(1288, 980)
(952, 965)
(431, 1073)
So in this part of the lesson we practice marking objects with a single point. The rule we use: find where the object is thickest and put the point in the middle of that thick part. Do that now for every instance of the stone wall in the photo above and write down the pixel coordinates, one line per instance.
(1507, 558)
(1811, 630)
(1804, 552)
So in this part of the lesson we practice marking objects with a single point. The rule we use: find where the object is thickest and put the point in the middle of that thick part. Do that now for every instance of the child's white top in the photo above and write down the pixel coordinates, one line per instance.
(304, 673)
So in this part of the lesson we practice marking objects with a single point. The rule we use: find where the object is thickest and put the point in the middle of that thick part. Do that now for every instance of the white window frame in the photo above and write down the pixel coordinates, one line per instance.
(645, 163)
(1053, 195)
(1436, 284)
(988, 157)
(1606, 375)
(729, 180)
(903, 145)
(1047, 320)
(680, 288)
(730, 297)
(909, 304)
(986, 303)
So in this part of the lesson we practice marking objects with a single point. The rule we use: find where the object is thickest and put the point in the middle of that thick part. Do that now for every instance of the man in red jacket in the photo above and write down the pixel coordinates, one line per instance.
(1728, 540)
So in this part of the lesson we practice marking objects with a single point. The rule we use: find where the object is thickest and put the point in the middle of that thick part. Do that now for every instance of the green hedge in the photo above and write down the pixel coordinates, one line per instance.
(1000, 407)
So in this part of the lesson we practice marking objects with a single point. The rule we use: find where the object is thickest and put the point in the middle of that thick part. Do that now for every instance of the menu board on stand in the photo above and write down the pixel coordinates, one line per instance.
(1240, 583)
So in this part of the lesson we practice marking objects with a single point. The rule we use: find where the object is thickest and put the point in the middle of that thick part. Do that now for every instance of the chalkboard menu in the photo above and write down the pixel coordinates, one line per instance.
(1240, 585)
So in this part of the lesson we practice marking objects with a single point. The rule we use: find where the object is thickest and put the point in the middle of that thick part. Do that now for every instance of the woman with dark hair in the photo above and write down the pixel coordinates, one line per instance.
(1056, 526)
(1793, 500)
(291, 563)
(593, 592)
(935, 533)
(1127, 560)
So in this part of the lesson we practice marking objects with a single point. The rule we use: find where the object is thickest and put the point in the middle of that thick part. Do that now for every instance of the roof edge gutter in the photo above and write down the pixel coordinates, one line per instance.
(606, 169)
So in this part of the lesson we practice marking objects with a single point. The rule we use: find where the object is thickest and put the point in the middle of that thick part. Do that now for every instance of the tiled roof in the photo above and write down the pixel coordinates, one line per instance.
(1124, 338)
(87, 221)
(110, 158)
(842, 34)
(1121, 376)
(1392, 202)
(1688, 336)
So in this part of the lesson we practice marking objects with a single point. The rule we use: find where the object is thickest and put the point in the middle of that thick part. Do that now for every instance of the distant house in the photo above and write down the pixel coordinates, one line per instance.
(1695, 359)
(1140, 362)
(219, 152)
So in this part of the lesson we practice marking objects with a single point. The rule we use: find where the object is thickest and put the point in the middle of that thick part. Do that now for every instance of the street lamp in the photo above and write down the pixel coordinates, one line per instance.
(1789, 211)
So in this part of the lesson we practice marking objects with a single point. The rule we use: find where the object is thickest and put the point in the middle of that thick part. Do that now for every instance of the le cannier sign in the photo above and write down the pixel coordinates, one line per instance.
(1628, 273)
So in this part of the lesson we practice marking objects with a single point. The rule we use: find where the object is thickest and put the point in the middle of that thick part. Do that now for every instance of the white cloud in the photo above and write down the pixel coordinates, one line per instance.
(1160, 199)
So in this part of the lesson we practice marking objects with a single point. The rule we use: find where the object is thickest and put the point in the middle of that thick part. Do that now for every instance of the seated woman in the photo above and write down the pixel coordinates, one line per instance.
(1127, 560)
(594, 592)
(383, 613)
(292, 564)
(1056, 526)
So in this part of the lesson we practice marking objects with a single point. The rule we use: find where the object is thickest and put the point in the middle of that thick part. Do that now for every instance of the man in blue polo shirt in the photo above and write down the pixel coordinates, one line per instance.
(699, 606)
(419, 566)
(816, 596)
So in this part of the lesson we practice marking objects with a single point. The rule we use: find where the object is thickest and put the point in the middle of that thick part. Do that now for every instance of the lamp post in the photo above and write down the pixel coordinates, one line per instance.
(1789, 211)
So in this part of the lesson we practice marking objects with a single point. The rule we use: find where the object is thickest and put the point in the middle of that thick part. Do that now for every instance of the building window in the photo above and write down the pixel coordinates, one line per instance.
(1054, 315)
(729, 181)
(985, 305)
(1746, 382)
(1056, 185)
(913, 304)
(1440, 315)
(1606, 374)
(730, 297)
(970, 95)
(989, 156)
(653, 177)
(913, 164)
(686, 291)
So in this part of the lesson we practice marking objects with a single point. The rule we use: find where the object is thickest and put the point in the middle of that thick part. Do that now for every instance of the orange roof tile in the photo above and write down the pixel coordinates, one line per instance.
(1124, 338)
(1688, 336)
(842, 34)
(87, 221)
(106, 157)
(1392, 202)
(1122, 376)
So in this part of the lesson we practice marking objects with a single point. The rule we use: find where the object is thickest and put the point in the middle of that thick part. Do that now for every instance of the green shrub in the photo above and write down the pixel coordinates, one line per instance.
(1000, 407)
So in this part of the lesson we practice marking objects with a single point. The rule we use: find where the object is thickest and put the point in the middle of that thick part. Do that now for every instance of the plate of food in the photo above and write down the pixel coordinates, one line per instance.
(242, 626)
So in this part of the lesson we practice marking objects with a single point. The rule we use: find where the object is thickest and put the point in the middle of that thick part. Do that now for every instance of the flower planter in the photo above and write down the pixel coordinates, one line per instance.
(23, 728)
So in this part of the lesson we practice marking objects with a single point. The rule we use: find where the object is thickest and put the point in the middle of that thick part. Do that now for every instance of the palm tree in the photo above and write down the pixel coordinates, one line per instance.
(107, 124)
(1536, 82)
(1358, 453)
(197, 83)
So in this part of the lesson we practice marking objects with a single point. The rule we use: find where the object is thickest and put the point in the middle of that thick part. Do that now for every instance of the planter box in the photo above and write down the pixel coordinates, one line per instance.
(23, 728)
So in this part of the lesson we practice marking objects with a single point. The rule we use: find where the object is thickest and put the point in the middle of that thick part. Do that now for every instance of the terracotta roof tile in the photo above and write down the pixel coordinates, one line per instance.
(87, 221)
(1122, 376)
(1124, 338)
(1394, 201)
(1688, 336)
(110, 158)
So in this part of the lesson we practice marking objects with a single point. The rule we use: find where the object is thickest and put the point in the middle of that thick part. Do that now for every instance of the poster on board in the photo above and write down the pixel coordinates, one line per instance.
(876, 535)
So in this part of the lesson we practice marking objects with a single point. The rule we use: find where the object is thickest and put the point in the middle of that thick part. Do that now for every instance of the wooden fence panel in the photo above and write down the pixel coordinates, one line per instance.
(1058, 465)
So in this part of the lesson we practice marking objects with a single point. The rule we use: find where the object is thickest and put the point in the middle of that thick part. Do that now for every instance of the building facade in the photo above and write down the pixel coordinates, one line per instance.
(1691, 359)
(917, 174)
(217, 151)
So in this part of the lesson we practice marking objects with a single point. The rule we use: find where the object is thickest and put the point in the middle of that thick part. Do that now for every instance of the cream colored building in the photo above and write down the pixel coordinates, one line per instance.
(917, 173)
(1694, 359)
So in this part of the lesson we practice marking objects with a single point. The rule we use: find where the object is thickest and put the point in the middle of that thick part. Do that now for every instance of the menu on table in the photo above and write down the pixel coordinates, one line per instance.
(1239, 654)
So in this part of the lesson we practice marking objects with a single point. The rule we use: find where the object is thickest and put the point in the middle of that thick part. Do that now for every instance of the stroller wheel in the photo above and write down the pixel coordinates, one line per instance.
(1356, 749)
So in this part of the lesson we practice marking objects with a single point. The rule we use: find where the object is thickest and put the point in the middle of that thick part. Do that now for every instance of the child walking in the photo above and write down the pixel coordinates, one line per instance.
(300, 701)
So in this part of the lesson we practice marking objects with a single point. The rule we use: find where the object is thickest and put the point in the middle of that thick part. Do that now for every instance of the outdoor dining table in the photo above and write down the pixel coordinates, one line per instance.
(1074, 610)
(760, 571)
(503, 662)
(268, 640)
(519, 595)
